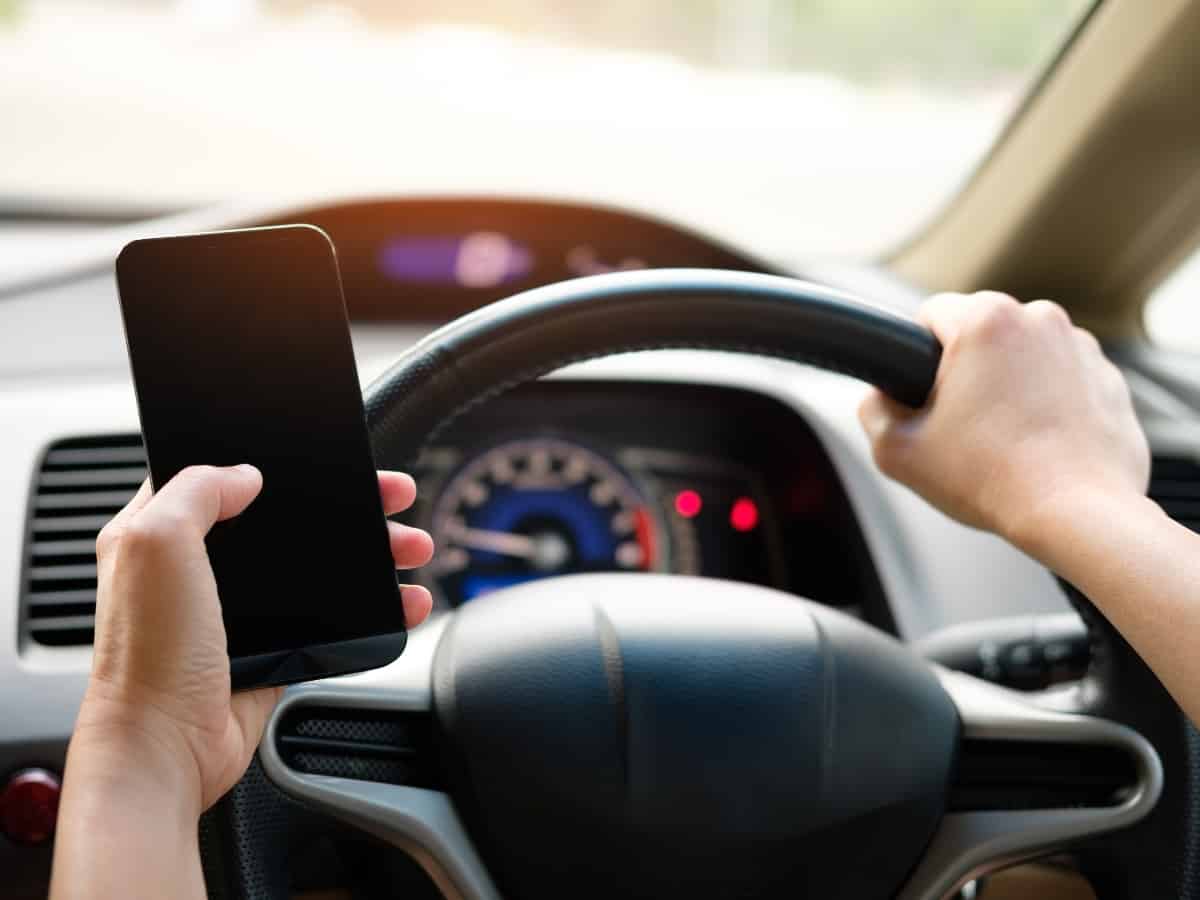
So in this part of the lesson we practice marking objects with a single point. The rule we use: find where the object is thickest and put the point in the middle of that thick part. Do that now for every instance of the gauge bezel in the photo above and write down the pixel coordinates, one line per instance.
(457, 468)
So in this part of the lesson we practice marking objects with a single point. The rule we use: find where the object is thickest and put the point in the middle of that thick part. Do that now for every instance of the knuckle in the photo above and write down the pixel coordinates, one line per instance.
(1087, 339)
(1048, 312)
(196, 474)
(997, 299)
(108, 539)
(143, 537)
(995, 314)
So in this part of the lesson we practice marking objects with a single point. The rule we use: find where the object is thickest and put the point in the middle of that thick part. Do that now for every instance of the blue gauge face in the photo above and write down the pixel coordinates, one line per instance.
(535, 508)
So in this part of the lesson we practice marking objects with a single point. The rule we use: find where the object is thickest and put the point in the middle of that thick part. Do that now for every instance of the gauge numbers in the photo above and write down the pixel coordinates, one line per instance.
(535, 508)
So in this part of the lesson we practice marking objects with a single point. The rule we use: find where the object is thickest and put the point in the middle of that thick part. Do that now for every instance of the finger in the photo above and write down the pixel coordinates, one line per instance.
(880, 415)
(200, 496)
(1088, 341)
(251, 711)
(411, 547)
(418, 604)
(889, 426)
(943, 315)
(398, 491)
(947, 315)
(1049, 312)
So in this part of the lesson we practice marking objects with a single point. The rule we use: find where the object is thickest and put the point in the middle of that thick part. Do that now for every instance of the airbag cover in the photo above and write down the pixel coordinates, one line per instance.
(646, 736)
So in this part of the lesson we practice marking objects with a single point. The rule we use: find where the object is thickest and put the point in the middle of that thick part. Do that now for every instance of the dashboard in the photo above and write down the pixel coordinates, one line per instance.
(437, 258)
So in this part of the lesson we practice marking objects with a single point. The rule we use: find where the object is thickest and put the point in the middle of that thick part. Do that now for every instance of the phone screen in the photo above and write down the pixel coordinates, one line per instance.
(241, 353)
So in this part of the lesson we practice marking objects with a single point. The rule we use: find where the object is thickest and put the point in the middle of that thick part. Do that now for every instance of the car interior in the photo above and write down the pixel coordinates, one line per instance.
(617, 281)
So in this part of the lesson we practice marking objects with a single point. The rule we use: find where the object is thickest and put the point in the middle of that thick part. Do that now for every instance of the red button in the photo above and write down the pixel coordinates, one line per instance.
(29, 806)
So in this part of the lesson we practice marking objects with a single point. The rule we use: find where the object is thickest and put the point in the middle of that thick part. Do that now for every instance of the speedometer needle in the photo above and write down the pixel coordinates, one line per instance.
(503, 542)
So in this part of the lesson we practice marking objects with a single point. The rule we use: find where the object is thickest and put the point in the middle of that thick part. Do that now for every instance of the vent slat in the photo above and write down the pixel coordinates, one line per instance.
(93, 478)
(113, 500)
(53, 573)
(61, 598)
(70, 523)
(64, 623)
(98, 456)
(80, 486)
(56, 548)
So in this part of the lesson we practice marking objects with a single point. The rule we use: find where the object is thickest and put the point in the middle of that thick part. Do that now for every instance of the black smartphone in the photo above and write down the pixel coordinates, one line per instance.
(241, 353)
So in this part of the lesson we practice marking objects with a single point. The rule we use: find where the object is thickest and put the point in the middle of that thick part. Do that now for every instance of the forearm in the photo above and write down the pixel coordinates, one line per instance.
(127, 826)
(1141, 569)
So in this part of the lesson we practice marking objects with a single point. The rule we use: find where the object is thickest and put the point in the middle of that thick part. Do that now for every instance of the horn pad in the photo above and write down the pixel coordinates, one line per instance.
(649, 736)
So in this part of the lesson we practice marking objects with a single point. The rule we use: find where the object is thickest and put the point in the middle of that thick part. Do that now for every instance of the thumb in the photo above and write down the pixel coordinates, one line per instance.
(201, 496)
(891, 429)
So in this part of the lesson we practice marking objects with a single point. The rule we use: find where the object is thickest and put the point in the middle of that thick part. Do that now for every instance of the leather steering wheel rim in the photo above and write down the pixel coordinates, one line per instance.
(519, 339)
(245, 837)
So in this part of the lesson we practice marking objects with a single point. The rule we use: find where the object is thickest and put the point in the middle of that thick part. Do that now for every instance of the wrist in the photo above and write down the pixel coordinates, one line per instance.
(1052, 530)
(136, 756)
(128, 823)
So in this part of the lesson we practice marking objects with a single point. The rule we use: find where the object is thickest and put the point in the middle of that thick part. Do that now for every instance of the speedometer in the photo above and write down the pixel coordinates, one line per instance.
(535, 508)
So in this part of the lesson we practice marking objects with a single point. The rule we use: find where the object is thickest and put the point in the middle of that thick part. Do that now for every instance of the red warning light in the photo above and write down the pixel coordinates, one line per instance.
(743, 515)
(688, 503)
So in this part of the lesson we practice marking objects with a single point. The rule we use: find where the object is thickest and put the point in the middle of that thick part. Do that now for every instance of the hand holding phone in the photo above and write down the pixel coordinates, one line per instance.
(241, 353)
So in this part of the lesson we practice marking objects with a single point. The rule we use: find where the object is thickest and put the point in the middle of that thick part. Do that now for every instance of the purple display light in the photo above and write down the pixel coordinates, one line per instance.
(481, 259)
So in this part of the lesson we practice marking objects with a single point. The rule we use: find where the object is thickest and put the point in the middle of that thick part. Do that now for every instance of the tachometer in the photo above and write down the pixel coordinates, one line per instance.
(534, 508)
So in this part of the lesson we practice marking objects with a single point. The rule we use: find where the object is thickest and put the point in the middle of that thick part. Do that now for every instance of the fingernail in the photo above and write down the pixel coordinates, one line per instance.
(247, 469)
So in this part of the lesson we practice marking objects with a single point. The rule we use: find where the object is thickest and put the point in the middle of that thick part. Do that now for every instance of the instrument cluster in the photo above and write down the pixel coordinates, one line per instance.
(563, 476)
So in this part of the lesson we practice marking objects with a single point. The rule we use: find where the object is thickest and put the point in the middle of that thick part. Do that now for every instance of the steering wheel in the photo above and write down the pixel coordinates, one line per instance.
(641, 735)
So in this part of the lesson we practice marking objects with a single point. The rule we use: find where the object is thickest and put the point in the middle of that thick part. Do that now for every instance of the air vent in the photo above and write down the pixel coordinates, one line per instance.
(1175, 486)
(81, 484)
(366, 745)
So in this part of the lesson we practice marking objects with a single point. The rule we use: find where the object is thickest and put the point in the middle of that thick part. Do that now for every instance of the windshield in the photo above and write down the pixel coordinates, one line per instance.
(821, 126)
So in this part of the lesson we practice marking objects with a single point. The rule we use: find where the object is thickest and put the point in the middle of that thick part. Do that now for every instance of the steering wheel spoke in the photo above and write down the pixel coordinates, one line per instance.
(369, 727)
(1030, 780)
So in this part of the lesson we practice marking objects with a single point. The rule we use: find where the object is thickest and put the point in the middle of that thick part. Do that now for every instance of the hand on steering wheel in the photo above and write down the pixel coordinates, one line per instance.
(1031, 421)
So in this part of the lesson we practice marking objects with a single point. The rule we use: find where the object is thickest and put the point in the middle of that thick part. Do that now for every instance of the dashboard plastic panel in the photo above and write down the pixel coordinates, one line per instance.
(436, 258)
